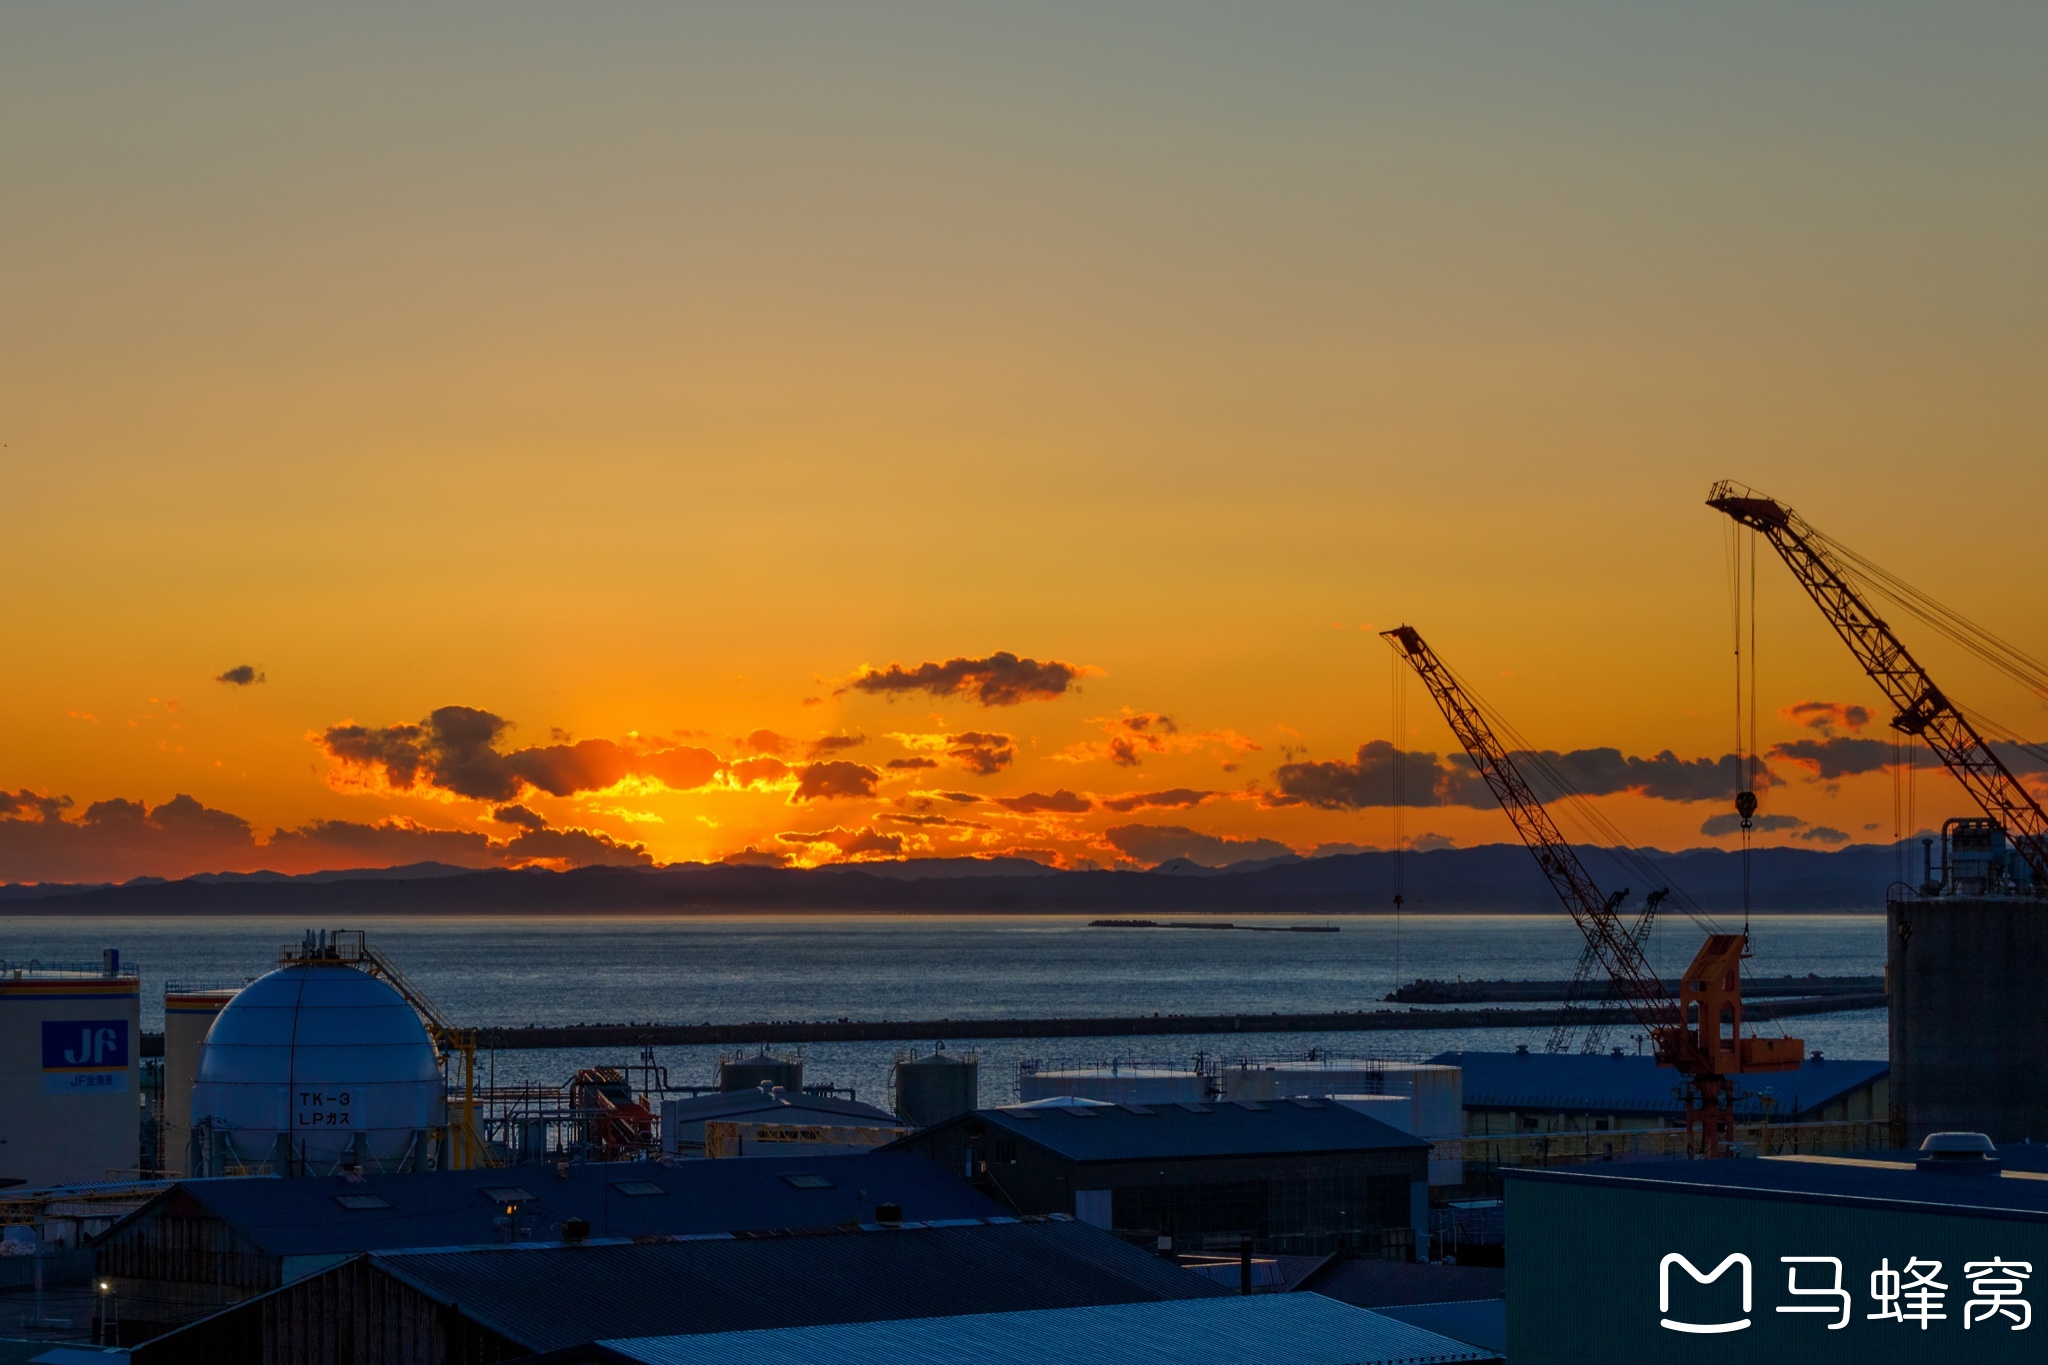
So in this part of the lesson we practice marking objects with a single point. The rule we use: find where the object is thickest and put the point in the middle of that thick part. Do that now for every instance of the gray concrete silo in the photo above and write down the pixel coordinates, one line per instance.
(1967, 972)
(748, 1071)
(933, 1088)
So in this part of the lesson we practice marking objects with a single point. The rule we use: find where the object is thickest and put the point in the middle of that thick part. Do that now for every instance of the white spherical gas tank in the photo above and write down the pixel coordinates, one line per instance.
(329, 1055)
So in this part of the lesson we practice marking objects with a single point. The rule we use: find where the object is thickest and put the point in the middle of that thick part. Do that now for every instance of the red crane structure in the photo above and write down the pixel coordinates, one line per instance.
(1699, 1034)
(1923, 710)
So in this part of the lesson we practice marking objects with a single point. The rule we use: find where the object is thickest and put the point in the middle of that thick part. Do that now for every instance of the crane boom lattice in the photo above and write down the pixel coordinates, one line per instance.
(1609, 938)
(1699, 1033)
(1922, 708)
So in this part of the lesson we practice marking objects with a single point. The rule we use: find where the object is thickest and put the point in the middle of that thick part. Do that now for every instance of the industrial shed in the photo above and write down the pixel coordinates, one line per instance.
(1519, 1093)
(204, 1244)
(683, 1120)
(1595, 1274)
(481, 1305)
(1304, 1176)
(1291, 1329)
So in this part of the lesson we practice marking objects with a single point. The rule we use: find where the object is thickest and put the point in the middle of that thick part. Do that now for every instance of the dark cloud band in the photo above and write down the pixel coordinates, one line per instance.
(999, 679)
(1425, 779)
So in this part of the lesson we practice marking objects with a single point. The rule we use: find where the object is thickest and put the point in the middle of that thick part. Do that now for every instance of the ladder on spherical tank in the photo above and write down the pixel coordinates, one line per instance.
(467, 1149)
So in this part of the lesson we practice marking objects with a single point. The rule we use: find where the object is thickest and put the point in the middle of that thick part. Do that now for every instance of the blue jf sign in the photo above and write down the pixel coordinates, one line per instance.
(85, 1056)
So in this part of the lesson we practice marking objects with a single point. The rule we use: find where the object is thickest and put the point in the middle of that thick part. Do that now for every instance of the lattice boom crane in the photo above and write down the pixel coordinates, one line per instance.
(1922, 708)
(1699, 1033)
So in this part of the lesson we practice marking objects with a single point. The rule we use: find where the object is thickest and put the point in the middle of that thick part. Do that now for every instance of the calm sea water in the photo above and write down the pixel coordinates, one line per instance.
(747, 968)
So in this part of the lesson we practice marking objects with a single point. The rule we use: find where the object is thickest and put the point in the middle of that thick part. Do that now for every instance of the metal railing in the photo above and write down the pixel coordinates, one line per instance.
(1576, 1147)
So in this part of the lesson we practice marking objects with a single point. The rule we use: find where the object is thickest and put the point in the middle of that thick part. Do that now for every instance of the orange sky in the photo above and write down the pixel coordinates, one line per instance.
(643, 376)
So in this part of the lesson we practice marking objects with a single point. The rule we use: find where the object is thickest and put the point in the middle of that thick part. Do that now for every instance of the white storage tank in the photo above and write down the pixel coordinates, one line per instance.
(70, 1098)
(1116, 1084)
(312, 1068)
(1435, 1093)
(189, 1011)
(1442, 1088)
(1406, 1112)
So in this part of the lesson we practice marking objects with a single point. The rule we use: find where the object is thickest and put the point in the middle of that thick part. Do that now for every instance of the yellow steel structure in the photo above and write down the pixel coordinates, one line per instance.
(1576, 1147)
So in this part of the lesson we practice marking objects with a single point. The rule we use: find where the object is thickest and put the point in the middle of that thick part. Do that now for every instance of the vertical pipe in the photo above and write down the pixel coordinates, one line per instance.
(470, 1155)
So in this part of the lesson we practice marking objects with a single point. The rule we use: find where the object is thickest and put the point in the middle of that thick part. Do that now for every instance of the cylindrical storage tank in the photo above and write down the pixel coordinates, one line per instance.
(746, 1071)
(314, 1067)
(189, 1011)
(1116, 1085)
(1967, 1016)
(933, 1088)
(1396, 1111)
(70, 1045)
(1443, 1086)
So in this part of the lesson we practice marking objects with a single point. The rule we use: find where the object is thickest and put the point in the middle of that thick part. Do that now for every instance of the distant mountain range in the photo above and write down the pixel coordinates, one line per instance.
(1493, 877)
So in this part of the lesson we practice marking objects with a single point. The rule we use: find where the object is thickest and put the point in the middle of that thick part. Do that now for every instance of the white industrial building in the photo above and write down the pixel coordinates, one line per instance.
(70, 1097)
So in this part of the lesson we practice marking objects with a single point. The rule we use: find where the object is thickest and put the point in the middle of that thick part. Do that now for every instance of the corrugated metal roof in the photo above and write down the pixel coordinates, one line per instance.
(1817, 1181)
(300, 1216)
(1285, 1329)
(1534, 1082)
(1476, 1322)
(731, 1103)
(1366, 1283)
(1166, 1131)
(548, 1298)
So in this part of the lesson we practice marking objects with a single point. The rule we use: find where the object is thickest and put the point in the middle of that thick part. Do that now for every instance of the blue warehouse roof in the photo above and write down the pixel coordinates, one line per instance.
(550, 1298)
(1369, 1282)
(1156, 1132)
(1286, 1329)
(1533, 1082)
(1860, 1181)
(306, 1216)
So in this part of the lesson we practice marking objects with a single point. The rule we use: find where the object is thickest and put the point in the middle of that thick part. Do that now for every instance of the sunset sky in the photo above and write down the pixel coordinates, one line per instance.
(556, 434)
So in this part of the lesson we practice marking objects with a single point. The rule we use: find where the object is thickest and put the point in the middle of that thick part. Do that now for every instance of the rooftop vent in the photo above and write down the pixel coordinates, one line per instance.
(889, 1215)
(575, 1230)
(1959, 1154)
(637, 1189)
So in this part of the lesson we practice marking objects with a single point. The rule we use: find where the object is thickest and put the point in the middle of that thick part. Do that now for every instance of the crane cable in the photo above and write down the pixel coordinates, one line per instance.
(1578, 810)
(1398, 723)
(2000, 653)
(2003, 656)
